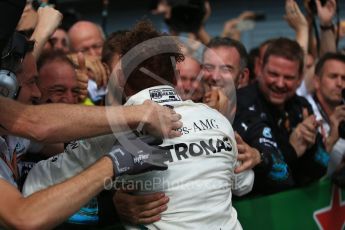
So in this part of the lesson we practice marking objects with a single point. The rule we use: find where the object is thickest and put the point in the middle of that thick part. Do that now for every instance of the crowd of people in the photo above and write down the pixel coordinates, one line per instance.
(142, 130)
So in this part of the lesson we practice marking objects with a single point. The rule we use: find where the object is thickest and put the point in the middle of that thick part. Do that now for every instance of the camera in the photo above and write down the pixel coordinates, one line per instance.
(312, 5)
(38, 3)
(259, 16)
(341, 127)
(185, 15)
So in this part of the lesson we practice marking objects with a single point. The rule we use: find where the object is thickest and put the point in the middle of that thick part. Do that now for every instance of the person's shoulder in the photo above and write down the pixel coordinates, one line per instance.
(6, 174)
(302, 102)
(247, 95)
(202, 107)
(248, 90)
(301, 99)
(197, 109)
(202, 111)
(189, 105)
(296, 105)
(248, 100)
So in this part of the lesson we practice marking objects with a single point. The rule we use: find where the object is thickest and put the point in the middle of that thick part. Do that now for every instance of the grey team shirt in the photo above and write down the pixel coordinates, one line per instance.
(9, 145)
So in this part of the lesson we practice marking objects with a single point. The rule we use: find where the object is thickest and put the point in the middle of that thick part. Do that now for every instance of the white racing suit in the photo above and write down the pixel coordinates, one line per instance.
(200, 178)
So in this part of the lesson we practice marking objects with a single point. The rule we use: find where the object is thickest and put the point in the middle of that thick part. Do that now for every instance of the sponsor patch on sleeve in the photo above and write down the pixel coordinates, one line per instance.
(267, 132)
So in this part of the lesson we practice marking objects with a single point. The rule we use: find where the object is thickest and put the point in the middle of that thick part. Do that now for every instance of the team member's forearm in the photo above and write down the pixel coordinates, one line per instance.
(327, 41)
(48, 20)
(203, 36)
(61, 122)
(49, 207)
(53, 122)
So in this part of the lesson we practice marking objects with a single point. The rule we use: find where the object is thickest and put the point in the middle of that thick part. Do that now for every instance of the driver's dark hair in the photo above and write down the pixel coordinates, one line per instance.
(161, 64)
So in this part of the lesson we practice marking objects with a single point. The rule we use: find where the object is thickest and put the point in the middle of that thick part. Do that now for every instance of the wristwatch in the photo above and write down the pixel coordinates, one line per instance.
(329, 27)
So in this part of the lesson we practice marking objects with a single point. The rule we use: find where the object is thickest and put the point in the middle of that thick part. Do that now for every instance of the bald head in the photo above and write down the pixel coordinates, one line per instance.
(189, 83)
(86, 37)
